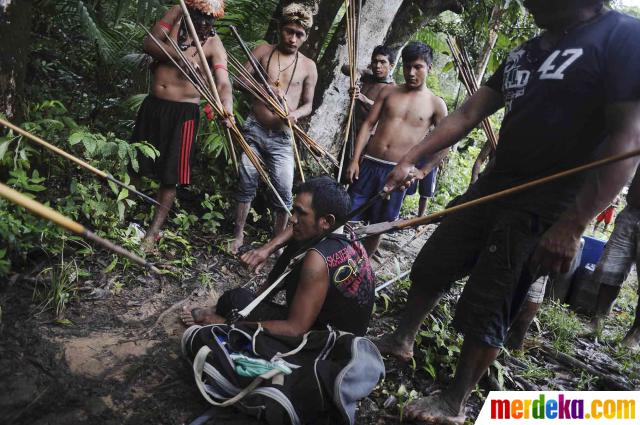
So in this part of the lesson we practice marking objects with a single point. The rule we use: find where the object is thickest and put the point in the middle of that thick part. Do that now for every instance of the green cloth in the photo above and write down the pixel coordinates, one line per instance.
(252, 367)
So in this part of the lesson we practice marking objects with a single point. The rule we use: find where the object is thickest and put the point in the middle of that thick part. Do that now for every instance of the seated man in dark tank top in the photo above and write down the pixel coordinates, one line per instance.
(333, 285)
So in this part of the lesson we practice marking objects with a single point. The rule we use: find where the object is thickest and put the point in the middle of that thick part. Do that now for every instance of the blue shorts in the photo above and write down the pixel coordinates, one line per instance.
(373, 175)
(427, 186)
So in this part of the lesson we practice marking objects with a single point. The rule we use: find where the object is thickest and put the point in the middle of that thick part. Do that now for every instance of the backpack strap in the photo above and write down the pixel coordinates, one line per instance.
(198, 369)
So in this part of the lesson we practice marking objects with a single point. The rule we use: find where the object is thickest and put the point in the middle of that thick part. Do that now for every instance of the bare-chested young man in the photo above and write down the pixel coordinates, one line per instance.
(294, 76)
(169, 116)
(404, 114)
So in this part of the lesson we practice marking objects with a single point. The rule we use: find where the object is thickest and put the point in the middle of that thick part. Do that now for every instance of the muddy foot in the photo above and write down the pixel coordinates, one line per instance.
(200, 316)
(632, 339)
(433, 409)
(236, 244)
(388, 344)
(592, 329)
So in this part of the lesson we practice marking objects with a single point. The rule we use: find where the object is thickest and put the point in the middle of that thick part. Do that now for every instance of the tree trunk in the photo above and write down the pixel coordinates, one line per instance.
(15, 31)
(332, 91)
(414, 15)
(492, 38)
(321, 27)
(390, 22)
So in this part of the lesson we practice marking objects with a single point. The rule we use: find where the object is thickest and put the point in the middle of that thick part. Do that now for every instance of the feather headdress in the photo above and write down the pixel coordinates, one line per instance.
(298, 14)
(213, 8)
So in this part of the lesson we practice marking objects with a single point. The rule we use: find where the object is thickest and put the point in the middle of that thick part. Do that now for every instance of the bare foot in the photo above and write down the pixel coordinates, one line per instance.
(593, 328)
(632, 339)
(236, 245)
(200, 316)
(390, 344)
(434, 409)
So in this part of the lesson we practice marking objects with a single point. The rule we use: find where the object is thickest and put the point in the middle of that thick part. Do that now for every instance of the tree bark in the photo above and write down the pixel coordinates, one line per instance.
(332, 91)
(321, 27)
(15, 31)
(414, 15)
(492, 38)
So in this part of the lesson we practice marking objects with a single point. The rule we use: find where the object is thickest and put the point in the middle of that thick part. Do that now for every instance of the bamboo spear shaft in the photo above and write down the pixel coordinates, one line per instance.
(76, 160)
(379, 228)
(65, 222)
(461, 60)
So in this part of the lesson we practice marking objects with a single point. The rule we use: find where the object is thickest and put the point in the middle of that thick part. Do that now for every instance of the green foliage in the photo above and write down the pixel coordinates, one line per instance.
(560, 324)
(56, 286)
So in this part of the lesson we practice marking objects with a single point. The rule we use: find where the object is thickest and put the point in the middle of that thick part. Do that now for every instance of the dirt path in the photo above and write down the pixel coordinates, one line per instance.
(118, 361)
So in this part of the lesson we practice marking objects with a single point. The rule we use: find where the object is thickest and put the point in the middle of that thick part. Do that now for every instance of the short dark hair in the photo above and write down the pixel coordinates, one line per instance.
(417, 50)
(384, 51)
(327, 197)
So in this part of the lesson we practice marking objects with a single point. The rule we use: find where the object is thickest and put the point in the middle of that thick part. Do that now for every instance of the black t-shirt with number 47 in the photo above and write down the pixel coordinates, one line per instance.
(555, 108)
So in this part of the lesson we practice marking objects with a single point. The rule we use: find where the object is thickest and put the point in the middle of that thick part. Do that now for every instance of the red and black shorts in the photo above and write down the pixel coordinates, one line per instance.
(172, 128)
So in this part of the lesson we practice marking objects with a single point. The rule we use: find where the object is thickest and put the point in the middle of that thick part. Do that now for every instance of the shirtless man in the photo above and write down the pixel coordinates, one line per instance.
(294, 76)
(404, 114)
(372, 81)
(169, 116)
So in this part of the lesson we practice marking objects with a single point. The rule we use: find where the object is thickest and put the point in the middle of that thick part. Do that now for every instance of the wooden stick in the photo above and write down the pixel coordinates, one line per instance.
(77, 160)
(66, 223)
(379, 228)
(461, 61)
(293, 142)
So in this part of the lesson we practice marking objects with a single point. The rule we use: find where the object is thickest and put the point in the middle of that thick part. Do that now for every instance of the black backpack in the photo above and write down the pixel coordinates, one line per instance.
(330, 372)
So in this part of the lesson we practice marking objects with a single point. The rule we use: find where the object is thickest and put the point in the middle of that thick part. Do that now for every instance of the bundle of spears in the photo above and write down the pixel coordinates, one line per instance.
(352, 24)
(207, 89)
(261, 89)
(463, 65)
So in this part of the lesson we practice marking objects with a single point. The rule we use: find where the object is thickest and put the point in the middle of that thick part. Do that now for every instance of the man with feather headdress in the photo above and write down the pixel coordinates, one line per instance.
(169, 116)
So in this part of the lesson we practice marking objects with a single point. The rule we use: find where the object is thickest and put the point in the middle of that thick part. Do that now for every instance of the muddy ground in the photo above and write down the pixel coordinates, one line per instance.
(117, 358)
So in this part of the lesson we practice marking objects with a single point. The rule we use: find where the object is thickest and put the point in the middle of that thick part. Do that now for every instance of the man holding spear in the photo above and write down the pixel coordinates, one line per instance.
(569, 94)
(293, 76)
(169, 116)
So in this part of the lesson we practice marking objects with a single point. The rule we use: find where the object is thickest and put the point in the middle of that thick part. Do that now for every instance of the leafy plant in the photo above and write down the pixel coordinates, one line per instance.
(561, 324)
(56, 286)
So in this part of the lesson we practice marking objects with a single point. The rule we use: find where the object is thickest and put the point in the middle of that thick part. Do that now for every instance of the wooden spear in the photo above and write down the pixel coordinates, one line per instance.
(77, 160)
(65, 222)
(461, 60)
(389, 226)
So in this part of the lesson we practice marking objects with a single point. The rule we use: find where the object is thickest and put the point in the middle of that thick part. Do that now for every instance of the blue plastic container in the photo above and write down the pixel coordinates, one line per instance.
(592, 250)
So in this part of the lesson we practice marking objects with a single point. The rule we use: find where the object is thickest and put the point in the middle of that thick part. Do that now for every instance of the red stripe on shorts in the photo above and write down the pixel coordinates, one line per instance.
(187, 176)
(183, 146)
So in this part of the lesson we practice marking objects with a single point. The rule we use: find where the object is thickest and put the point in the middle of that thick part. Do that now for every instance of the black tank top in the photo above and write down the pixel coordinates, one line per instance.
(349, 302)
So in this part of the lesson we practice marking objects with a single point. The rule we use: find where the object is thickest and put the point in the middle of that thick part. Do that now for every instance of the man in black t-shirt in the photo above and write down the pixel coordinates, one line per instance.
(571, 95)
(334, 283)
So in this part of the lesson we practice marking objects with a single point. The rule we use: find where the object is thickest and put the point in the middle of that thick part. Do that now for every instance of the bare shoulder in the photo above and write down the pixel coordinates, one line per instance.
(389, 90)
(308, 64)
(172, 14)
(263, 50)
